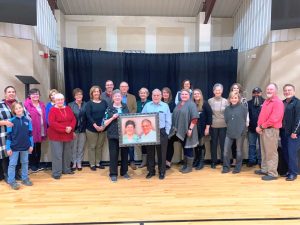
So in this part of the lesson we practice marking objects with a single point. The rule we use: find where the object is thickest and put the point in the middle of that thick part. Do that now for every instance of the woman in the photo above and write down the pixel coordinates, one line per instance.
(218, 127)
(50, 104)
(5, 115)
(37, 111)
(61, 128)
(78, 107)
(130, 136)
(95, 134)
(186, 85)
(167, 98)
(235, 117)
(203, 125)
(111, 122)
(184, 129)
(238, 89)
(143, 93)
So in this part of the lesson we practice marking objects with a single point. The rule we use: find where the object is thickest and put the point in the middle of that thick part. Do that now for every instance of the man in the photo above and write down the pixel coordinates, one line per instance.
(107, 95)
(290, 130)
(269, 122)
(156, 105)
(254, 107)
(130, 101)
(149, 135)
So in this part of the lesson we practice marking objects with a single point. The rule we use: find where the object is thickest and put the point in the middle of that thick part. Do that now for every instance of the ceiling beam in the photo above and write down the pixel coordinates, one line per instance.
(208, 6)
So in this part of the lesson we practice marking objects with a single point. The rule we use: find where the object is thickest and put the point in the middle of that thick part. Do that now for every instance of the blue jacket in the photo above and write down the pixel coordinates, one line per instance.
(19, 137)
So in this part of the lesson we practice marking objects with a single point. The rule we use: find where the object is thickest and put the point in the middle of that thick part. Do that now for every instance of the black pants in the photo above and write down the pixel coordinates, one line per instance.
(217, 137)
(171, 142)
(113, 145)
(3, 167)
(35, 156)
(161, 154)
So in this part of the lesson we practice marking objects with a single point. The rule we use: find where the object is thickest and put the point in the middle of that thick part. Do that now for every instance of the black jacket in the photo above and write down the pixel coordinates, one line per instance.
(291, 119)
(254, 113)
(205, 118)
(112, 128)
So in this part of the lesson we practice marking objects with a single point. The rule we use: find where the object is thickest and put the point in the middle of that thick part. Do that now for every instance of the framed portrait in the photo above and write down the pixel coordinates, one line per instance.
(138, 129)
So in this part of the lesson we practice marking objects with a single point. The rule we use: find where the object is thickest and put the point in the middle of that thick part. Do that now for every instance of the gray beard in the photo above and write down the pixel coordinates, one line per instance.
(256, 101)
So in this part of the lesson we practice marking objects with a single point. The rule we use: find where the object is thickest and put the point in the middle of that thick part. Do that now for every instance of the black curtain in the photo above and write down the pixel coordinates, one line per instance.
(84, 68)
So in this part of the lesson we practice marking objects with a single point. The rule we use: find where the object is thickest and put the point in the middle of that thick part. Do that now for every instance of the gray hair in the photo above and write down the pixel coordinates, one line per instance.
(144, 89)
(156, 90)
(218, 85)
(59, 96)
(116, 91)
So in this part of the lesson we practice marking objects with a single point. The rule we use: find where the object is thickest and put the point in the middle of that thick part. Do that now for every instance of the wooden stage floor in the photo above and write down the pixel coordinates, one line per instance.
(200, 197)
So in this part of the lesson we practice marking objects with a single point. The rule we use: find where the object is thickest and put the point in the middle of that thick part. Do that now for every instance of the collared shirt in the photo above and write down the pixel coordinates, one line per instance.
(124, 99)
(164, 113)
(271, 113)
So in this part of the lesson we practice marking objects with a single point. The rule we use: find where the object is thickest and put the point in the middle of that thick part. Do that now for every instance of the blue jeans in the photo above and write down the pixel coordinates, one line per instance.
(239, 154)
(293, 148)
(253, 154)
(131, 154)
(13, 161)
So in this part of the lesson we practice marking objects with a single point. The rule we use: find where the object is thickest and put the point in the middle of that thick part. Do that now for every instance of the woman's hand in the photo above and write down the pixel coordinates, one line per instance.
(30, 150)
(68, 130)
(115, 116)
(8, 123)
(206, 131)
(9, 152)
(189, 133)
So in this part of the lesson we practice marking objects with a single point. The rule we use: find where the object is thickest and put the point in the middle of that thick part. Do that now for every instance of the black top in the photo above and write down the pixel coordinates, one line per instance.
(205, 118)
(80, 114)
(112, 128)
(95, 114)
(254, 111)
(291, 119)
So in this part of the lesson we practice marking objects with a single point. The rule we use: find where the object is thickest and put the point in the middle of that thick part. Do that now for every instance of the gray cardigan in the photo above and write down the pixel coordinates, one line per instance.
(181, 119)
(235, 118)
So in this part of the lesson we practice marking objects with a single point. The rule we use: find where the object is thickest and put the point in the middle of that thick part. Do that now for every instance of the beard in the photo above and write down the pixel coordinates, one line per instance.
(257, 100)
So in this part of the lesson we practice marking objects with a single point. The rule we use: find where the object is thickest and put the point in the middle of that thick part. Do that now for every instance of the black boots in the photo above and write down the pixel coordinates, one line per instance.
(199, 157)
(189, 165)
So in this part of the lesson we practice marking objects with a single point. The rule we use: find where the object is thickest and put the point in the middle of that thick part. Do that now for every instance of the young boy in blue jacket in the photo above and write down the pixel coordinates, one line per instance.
(19, 142)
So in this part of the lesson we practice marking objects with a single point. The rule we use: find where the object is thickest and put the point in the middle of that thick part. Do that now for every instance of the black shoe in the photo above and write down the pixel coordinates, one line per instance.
(213, 166)
(291, 177)
(268, 178)
(56, 177)
(79, 169)
(70, 172)
(101, 167)
(250, 164)
(168, 167)
(93, 168)
(236, 171)
(161, 176)
(260, 172)
(149, 175)
(225, 170)
(73, 168)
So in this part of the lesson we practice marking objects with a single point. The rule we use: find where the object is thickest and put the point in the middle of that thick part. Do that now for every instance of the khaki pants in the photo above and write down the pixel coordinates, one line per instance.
(95, 142)
(269, 154)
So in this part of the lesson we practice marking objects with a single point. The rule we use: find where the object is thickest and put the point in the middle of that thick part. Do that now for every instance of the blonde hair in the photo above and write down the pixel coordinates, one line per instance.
(51, 92)
(93, 88)
(14, 105)
(231, 94)
(200, 102)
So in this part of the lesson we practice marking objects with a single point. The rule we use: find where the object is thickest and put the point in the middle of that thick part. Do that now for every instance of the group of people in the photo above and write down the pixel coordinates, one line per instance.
(187, 119)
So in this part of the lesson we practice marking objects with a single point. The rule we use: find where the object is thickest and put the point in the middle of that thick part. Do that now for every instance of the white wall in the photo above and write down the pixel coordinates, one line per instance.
(221, 33)
(111, 23)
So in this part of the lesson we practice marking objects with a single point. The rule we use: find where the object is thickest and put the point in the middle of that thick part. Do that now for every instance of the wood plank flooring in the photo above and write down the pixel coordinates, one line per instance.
(90, 197)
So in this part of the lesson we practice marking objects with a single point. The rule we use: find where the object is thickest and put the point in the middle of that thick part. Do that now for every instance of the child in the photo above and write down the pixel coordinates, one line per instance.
(235, 117)
(19, 141)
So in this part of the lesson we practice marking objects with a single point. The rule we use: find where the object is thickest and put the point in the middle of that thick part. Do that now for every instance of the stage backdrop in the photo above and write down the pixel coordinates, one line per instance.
(84, 68)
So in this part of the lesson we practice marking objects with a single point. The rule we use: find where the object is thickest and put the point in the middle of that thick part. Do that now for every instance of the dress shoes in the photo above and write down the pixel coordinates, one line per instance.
(79, 168)
(268, 178)
(93, 168)
(161, 176)
(213, 166)
(291, 177)
(70, 172)
(149, 175)
(260, 172)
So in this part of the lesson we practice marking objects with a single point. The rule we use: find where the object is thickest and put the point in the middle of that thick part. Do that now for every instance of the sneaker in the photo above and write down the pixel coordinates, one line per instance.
(126, 176)
(113, 179)
(27, 182)
(225, 170)
(15, 186)
(268, 178)
(236, 171)
(57, 177)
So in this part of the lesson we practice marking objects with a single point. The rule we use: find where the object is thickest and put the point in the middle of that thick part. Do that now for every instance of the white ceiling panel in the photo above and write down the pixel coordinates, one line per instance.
(172, 8)
(225, 8)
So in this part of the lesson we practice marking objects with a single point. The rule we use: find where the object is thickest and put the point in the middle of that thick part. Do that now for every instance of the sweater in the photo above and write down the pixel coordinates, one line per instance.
(291, 119)
(235, 118)
(36, 119)
(181, 119)
(218, 106)
(140, 105)
(59, 119)
(205, 118)
(254, 111)
(95, 114)
(19, 136)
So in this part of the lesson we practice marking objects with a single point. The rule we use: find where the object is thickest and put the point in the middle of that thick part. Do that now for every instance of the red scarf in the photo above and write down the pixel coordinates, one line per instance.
(9, 102)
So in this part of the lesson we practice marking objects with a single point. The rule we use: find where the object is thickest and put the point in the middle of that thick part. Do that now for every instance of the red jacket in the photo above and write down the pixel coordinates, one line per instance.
(271, 113)
(59, 119)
